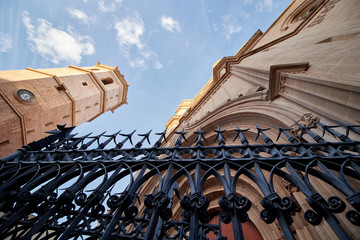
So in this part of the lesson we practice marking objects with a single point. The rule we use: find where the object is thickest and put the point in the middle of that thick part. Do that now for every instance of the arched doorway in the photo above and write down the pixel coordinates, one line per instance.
(249, 229)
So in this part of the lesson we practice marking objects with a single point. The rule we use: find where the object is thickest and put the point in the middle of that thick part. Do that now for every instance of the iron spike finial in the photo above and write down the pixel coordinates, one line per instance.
(76, 141)
(145, 136)
(220, 136)
(67, 142)
(350, 127)
(200, 137)
(239, 133)
(283, 130)
(329, 129)
(128, 136)
(326, 128)
(181, 136)
(162, 136)
(316, 137)
(94, 138)
(261, 131)
(111, 137)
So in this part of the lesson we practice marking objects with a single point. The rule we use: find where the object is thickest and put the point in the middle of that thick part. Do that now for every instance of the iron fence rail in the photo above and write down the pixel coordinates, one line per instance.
(67, 187)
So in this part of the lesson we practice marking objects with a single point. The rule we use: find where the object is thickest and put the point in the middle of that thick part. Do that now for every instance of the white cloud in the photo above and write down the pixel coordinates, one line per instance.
(231, 29)
(129, 31)
(158, 65)
(57, 45)
(75, 13)
(147, 54)
(230, 26)
(215, 27)
(248, 2)
(5, 42)
(264, 4)
(227, 18)
(140, 62)
(108, 7)
(169, 24)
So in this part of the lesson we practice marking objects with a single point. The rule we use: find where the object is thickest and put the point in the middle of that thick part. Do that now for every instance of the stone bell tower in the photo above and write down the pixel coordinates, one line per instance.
(33, 101)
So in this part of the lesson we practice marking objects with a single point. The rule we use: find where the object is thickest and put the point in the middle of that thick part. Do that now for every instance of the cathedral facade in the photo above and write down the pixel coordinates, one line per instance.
(304, 69)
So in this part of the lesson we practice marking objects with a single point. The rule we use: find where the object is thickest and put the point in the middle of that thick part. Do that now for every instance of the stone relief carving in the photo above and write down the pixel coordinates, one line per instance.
(330, 5)
(307, 120)
(282, 83)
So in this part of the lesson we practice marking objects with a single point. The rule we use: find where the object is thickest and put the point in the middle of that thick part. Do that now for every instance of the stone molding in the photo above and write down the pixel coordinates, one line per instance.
(277, 81)
(323, 96)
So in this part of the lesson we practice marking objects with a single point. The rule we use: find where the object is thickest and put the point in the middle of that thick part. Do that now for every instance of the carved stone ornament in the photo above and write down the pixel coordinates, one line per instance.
(329, 5)
(307, 120)
(282, 83)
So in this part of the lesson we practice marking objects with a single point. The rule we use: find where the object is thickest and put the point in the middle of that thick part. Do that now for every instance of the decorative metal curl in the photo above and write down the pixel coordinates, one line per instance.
(97, 210)
(66, 209)
(287, 204)
(80, 199)
(42, 208)
(131, 212)
(318, 203)
(52, 198)
(225, 216)
(24, 196)
(160, 201)
(313, 217)
(336, 204)
(113, 202)
(354, 217)
(273, 204)
(234, 203)
(166, 214)
(267, 216)
(198, 203)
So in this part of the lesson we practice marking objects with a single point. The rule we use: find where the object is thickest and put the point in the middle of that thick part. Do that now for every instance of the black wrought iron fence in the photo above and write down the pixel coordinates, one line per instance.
(59, 188)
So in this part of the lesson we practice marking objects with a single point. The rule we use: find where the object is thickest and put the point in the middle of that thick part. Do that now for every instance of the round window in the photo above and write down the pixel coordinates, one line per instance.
(25, 95)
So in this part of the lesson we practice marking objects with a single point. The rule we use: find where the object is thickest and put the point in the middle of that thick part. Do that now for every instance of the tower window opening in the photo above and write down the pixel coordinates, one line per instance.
(4, 143)
(107, 81)
(30, 131)
(60, 87)
(49, 124)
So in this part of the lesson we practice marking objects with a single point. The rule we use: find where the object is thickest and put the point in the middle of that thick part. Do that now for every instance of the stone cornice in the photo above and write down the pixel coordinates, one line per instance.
(224, 62)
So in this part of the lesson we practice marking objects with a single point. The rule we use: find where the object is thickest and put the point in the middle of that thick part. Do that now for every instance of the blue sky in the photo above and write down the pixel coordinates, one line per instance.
(165, 48)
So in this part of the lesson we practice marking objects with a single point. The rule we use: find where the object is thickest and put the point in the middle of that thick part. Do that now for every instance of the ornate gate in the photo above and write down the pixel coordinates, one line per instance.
(68, 187)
